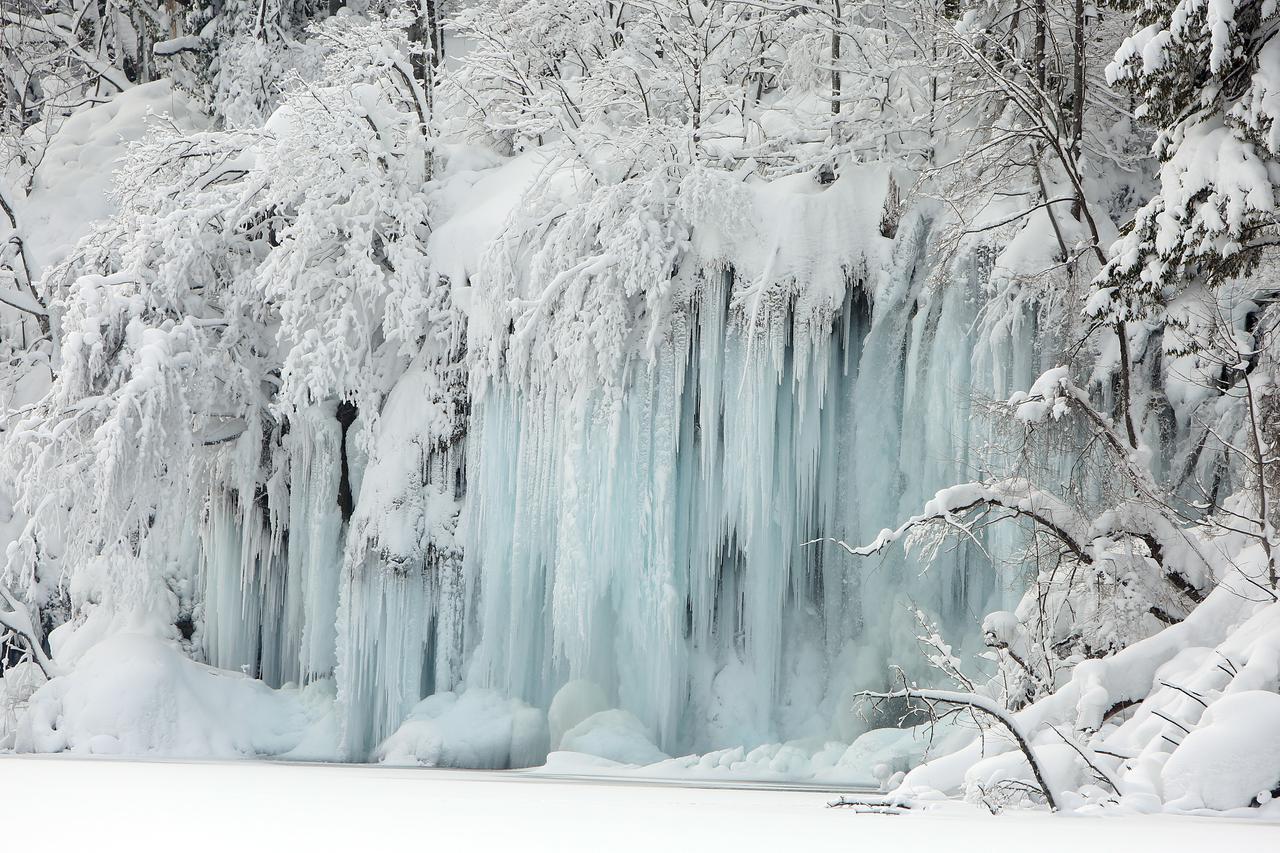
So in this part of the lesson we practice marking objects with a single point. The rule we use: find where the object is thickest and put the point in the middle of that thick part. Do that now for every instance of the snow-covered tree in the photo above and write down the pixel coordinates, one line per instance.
(249, 277)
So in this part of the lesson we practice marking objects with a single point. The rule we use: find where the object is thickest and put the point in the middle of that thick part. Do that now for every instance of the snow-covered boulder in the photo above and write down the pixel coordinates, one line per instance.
(478, 729)
(1231, 758)
(616, 735)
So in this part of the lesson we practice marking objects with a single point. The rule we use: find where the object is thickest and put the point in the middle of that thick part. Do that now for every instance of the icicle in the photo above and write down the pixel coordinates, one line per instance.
(314, 556)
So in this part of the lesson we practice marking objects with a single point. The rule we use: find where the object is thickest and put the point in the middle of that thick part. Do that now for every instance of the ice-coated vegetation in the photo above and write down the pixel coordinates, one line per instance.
(814, 391)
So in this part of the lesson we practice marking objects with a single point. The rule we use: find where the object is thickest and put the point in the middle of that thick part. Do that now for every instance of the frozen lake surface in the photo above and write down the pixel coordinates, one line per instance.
(242, 806)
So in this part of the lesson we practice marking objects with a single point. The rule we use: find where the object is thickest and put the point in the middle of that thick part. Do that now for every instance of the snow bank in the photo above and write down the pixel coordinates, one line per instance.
(1232, 759)
(1203, 732)
(259, 806)
(478, 729)
(133, 694)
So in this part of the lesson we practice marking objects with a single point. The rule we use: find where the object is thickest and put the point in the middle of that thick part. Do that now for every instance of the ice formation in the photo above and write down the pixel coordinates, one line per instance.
(659, 531)
(662, 536)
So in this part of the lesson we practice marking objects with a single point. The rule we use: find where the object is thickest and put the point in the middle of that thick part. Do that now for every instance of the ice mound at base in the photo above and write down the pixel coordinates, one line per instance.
(616, 735)
(1232, 758)
(615, 743)
(883, 752)
(572, 704)
(135, 694)
(478, 729)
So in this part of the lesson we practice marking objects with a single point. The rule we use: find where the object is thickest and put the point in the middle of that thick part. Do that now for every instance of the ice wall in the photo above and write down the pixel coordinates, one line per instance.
(664, 548)
(661, 545)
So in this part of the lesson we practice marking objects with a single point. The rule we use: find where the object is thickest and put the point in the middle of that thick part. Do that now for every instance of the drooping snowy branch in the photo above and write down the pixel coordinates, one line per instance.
(15, 616)
(1018, 496)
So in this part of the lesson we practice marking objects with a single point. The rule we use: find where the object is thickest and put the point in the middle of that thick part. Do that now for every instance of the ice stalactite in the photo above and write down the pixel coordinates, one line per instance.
(314, 553)
(271, 554)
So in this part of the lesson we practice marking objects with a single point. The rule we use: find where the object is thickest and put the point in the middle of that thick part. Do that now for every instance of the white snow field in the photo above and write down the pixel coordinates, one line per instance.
(139, 806)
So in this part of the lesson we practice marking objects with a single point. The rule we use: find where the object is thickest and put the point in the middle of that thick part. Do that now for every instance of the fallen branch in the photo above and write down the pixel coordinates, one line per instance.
(988, 707)
(868, 806)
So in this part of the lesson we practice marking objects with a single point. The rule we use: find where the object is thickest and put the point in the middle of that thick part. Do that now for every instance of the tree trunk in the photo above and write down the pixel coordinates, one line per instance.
(1038, 57)
(835, 61)
(1077, 94)
(425, 30)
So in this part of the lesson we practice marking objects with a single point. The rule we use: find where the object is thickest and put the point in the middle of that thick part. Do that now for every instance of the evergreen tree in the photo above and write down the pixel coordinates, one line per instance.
(1207, 76)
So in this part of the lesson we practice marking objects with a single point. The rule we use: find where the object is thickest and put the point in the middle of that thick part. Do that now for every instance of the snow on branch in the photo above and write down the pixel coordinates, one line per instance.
(181, 44)
(1054, 394)
(1016, 495)
(17, 618)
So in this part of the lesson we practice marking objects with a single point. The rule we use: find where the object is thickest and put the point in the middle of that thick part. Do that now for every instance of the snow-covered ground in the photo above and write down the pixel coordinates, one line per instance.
(247, 806)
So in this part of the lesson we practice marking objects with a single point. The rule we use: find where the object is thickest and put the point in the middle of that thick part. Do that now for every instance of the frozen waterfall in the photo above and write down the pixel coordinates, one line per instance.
(662, 545)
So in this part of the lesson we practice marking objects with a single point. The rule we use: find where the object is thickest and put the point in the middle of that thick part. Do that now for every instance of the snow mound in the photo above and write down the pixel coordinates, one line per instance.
(133, 694)
(616, 735)
(572, 704)
(1231, 759)
(478, 729)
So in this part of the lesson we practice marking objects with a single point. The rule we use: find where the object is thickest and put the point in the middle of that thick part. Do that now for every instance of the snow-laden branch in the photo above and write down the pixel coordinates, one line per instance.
(17, 618)
(25, 302)
(181, 44)
(1016, 495)
(1188, 561)
(69, 39)
(1053, 394)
